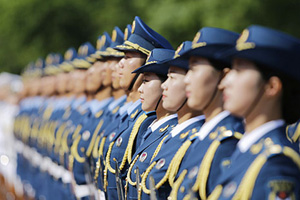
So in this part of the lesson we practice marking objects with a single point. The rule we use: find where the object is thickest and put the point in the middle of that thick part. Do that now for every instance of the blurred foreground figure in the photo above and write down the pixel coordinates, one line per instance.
(10, 86)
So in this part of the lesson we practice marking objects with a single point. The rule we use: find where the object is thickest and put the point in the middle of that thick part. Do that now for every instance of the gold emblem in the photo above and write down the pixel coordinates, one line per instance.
(196, 38)
(68, 54)
(241, 43)
(133, 26)
(281, 189)
(98, 114)
(115, 110)
(163, 129)
(114, 35)
(195, 43)
(126, 34)
(194, 130)
(213, 135)
(183, 135)
(256, 148)
(178, 50)
(101, 42)
(134, 114)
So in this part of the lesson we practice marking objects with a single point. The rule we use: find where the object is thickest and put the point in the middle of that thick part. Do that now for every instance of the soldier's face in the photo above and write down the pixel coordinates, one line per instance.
(94, 76)
(241, 87)
(62, 82)
(106, 74)
(150, 91)
(201, 82)
(114, 67)
(79, 81)
(174, 89)
(130, 62)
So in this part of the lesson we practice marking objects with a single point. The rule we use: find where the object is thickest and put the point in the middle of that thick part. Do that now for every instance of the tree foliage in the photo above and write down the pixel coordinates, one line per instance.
(33, 28)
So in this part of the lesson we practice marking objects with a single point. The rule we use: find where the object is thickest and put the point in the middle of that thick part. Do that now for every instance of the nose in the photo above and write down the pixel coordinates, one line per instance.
(121, 63)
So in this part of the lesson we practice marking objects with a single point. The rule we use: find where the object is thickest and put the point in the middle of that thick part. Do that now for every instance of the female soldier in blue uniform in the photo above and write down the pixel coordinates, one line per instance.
(263, 87)
(151, 93)
(189, 122)
(200, 157)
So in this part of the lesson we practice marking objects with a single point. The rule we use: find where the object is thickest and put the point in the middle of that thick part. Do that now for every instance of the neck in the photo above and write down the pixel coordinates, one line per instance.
(161, 112)
(118, 93)
(186, 113)
(215, 108)
(104, 93)
(262, 114)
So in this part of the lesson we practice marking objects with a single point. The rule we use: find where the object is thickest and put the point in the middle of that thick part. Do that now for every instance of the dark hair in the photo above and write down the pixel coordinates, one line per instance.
(290, 101)
(162, 78)
(218, 65)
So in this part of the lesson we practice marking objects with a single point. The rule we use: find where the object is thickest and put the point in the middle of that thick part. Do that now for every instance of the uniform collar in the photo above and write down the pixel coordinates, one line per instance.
(208, 126)
(249, 139)
(133, 106)
(158, 123)
(96, 105)
(123, 109)
(116, 102)
(179, 127)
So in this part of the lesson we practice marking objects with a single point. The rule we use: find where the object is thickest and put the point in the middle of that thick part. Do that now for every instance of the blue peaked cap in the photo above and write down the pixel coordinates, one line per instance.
(143, 39)
(268, 47)
(209, 41)
(177, 59)
(152, 63)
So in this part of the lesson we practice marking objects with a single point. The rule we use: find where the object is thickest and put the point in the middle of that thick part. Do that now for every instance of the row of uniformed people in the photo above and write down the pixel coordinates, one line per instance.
(161, 144)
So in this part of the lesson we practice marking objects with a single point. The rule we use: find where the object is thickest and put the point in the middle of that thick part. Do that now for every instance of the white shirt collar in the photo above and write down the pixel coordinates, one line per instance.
(249, 139)
(208, 126)
(116, 102)
(158, 123)
(133, 106)
(125, 107)
(179, 127)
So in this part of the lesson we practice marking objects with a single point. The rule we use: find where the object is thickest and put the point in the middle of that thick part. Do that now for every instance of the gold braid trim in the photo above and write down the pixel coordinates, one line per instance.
(297, 134)
(176, 161)
(158, 148)
(107, 159)
(92, 142)
(216, 193)
(143, 182)
(74, 150)
(76, 132)
(246, 187)
(137, 47)
(134, 132)
(176, 185)
(129, 172)
(107, 166)
(95, 153)
(101, 147)
(204, 169)
(59, 137)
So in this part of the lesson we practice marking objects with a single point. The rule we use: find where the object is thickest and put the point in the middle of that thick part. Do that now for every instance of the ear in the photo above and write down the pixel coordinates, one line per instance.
(273, 87)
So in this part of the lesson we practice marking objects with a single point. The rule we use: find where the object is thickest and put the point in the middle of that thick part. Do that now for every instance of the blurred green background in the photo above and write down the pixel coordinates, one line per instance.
(33, 28)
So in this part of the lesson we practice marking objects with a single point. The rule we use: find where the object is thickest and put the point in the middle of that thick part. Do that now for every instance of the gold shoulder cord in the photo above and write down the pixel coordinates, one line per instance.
(176, 185)
(107, 166)
(129, 172)
(176, 161)
(132, 137)
(158, 148)
(59, 137)
(95, 152)
(101, 146)
(92, 142)
(247, 184)
(143, 182)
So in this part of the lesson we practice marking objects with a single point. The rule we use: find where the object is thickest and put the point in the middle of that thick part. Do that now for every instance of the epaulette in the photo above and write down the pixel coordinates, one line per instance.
(269, 150)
